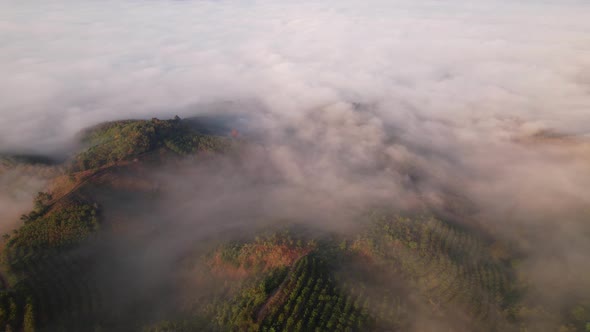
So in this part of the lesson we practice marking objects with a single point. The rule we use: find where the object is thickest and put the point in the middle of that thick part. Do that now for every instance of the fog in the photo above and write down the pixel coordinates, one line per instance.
(414, 104)
(462, 63)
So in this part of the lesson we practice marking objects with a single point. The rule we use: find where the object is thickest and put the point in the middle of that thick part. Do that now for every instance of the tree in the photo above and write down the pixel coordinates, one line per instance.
(3, 316)
(13, 313)
(41, 200)
(29, 320)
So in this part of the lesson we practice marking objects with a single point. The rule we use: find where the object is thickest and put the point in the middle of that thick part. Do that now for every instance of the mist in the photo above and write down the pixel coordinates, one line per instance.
(414, 105)
(469, 64)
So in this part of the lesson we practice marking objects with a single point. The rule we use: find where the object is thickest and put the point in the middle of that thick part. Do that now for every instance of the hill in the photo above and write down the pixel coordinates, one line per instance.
(104, 248)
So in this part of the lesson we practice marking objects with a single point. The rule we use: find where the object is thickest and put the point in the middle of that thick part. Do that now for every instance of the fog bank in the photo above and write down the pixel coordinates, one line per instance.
(466, 65)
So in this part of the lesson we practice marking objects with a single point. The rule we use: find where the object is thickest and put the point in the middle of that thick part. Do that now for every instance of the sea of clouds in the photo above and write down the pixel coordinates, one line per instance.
(476, 66)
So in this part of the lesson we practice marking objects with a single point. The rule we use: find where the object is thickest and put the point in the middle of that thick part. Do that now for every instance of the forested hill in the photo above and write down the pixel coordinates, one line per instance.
(47, 281)
(104, 248)
(117, 141)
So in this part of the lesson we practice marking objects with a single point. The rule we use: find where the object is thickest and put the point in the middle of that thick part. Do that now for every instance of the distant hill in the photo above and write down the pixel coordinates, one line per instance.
(117, 141)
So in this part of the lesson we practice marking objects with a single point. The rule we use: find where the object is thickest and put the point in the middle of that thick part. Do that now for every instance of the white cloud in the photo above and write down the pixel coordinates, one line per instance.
(68, 64)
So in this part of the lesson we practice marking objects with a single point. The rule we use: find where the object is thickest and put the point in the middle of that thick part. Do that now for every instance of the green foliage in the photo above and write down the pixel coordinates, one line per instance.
(188, 142)
(241, 312)
(46, 278)
(62, 228)
(29, 319)
(310, 299)
(13, 313)
(304, 297)
(124, 140)
(230, 253)
(581, 312)
(449, 267)
(53, 286)
(40, 206)
(273, 280)
(268, 250)
(116, 141)
(579, 315)
(41, 200)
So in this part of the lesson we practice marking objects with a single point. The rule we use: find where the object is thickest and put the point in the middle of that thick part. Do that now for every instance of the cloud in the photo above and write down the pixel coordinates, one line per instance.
(71, 64)
(18, 185)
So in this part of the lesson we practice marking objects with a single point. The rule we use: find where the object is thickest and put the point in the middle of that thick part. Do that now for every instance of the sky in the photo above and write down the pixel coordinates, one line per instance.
(478, 66)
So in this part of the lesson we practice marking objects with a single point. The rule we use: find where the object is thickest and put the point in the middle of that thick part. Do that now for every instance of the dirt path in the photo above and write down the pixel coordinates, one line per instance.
(78, 186)
(98, 173)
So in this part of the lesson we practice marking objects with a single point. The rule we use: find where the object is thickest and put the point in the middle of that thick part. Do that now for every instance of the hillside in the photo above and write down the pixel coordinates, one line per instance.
(107, 247)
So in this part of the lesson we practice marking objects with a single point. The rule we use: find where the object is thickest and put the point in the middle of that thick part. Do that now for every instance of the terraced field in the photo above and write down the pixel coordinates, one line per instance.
(450, 271)
(449, 267)
(310, 300)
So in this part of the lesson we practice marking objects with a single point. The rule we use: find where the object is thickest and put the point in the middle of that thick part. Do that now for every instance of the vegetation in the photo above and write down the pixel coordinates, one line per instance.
(124, 140)
(311, 299)
(46, 280)
(265, 252)
(452, 269)
(59, 229)
(395, 271)
(304, 297)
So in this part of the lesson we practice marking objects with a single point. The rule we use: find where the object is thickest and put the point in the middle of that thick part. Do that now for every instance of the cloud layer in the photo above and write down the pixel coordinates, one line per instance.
(69, 64)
